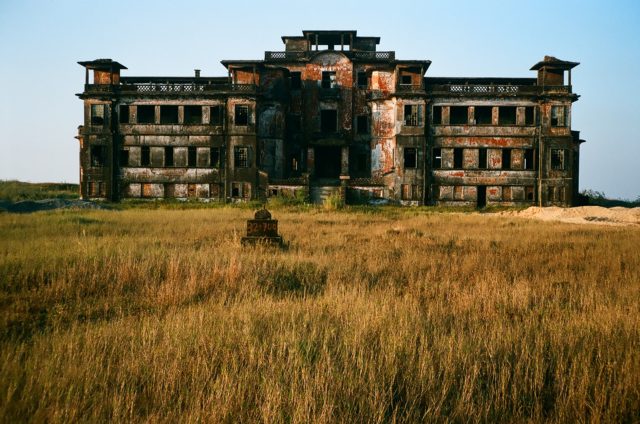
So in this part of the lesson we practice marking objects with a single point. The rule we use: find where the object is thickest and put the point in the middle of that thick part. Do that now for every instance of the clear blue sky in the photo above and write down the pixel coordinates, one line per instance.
(41, 41)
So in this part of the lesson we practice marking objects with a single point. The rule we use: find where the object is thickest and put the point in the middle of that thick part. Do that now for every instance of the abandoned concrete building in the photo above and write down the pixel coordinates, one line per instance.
(330, 115)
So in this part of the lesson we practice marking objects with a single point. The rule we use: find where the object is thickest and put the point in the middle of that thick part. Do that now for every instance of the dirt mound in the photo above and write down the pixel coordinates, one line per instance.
(581, 215)
(26, 206)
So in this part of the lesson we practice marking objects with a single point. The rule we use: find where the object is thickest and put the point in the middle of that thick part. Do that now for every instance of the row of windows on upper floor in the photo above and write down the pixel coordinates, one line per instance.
(502, 115)
(191, 156)
(329, 80)
(484, 158)
(170, 115)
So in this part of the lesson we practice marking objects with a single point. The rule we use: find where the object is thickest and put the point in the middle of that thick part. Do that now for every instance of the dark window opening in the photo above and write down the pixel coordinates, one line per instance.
(242, 115)
(362, 122)
(294, 123)
(437, 115)
(484, 115)
(507, 115)
(482, 158)
(146, 114)
(529, 193)
(191, 191)
(240, 157)
(413, 115)
(459, 115)
(215, 115)
(361, 162)
(168, 156)
(97, 155)
(529, 115)
(192, 156)
(328, 120)
(528, 159)
(236, 189)
(557, 116)
(506, 158)
(482, 196)
(168, 114)
(193, 115)
(558, 159)
(436, 158)
(169, 190)
(123, 158)
(124, 114)
(97, 114)
(329, 80)
(145, 156)
(214, 159)
(406, 80)
(296, 80)
(410, 157)
(362, 80)
(457, 158)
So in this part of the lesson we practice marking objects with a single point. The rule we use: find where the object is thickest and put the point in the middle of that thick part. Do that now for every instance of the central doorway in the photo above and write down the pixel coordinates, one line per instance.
(328, 161)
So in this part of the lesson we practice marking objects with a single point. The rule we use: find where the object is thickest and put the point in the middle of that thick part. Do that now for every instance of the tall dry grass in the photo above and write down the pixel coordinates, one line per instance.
(402, 315)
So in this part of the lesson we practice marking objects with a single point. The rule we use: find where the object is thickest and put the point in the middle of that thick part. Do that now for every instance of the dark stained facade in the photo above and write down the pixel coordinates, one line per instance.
(331, 115)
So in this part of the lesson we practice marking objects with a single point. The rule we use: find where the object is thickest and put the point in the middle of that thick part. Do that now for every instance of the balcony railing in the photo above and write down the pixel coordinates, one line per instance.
(292, 55)
(496, 89)
(161, 88)
(409, 88)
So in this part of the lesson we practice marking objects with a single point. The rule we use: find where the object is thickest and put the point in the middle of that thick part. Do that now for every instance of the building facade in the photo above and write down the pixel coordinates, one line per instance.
(330, 115)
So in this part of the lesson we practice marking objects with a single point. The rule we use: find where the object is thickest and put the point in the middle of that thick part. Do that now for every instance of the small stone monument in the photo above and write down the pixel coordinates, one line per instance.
(262, 229)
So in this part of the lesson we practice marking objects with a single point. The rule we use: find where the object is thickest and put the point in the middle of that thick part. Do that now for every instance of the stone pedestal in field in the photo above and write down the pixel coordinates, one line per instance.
(262, 229)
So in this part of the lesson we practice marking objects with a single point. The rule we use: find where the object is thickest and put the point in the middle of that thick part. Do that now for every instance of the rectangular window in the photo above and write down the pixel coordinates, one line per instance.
(557, 116)
(436, 159)
(528, 159)
(482, 158)
(215, 115)
(558, 159)
(241, 157)
(193, 115)
(296, 80)
(192, 156)
(214, 157)
(413, 115)
(168, 156)
(437, 115)
(146, 114)
(169, 114)
(506, 158)
(329, 80)
(528, 193)
(123, 158)
(124, 114)
(507, 115)
(97, 115)
(410, 157)
(362, 124)
(459, 115)
(98, 155)
(362, 80)
(169, 190)
(145, 156)
(328, 120)
(529, 115)
(457, 158)
(242, 115)
(483, 115)
(191, 191)
(96, 189)
(405, 80)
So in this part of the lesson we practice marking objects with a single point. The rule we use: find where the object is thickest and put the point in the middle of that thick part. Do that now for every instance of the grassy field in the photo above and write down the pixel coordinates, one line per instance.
(370, 316)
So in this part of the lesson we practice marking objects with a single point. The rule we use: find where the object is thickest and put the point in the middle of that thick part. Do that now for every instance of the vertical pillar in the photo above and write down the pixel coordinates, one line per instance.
(344, 161)
(311, 163)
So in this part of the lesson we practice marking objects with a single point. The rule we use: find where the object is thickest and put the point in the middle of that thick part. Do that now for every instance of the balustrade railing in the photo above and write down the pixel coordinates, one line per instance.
(169, 88)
